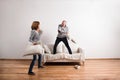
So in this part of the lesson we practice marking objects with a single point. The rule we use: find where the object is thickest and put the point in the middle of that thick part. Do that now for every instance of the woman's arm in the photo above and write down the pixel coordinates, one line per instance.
(32, 36)
(40, 32)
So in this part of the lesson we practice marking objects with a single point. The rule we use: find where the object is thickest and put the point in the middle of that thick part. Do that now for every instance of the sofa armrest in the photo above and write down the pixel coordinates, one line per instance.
(80, 50)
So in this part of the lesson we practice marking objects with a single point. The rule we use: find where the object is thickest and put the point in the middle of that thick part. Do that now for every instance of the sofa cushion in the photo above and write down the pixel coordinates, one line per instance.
(74, 47)
(75, 56)
(62, 56)
(54, 57)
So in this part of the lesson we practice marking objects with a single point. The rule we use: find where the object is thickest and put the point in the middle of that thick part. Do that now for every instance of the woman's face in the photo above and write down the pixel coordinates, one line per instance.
(38, 27)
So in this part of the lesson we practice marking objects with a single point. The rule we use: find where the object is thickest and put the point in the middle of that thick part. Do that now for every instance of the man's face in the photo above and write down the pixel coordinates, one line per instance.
(64, 23)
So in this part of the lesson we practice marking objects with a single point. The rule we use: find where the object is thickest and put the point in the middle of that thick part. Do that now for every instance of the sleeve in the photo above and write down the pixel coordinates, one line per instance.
(40, 32)
(60, 30)
(67, 33)
(67, 30)
(32, 36)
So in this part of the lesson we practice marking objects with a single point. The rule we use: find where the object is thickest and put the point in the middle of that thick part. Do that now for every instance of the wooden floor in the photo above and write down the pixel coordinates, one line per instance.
(93, 70)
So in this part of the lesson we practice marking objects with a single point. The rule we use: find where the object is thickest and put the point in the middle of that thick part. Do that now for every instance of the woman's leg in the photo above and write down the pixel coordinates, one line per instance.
(40, 61)
(31, 65)
(67, 45)
(56, 43)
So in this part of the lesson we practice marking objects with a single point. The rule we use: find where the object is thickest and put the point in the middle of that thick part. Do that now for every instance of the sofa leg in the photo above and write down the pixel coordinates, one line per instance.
(43, 63)
(82, 63)
(79, 63)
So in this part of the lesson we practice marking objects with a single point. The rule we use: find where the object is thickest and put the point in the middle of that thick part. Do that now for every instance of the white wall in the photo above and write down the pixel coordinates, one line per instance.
(95, 24)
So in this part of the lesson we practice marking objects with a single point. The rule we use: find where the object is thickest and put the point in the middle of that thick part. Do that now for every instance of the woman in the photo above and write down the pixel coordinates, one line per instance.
(62, 36)
(34, 39)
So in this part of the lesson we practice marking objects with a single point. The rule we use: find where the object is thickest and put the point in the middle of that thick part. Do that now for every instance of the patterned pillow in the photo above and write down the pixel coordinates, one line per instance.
(60, 48)
(46, 49)
(74, 47)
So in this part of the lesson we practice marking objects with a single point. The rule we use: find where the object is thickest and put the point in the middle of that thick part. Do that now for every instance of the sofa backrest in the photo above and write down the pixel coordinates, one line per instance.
(74, 47)
(59, 48)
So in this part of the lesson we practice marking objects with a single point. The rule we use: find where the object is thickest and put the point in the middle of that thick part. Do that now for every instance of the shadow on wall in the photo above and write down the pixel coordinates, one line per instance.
(46, 39)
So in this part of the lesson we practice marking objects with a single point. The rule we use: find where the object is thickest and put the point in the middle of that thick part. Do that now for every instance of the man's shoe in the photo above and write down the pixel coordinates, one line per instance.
(31, 73)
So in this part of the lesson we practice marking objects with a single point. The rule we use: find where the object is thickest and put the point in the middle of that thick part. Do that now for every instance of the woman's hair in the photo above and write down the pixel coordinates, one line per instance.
(35, 25)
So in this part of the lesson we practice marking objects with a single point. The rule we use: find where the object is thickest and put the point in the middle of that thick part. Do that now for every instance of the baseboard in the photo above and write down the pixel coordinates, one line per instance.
(102, 59)
(85, 59)
(17, 59)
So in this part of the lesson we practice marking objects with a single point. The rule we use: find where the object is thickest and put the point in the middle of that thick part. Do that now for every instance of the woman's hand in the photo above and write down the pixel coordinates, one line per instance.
(38, 29)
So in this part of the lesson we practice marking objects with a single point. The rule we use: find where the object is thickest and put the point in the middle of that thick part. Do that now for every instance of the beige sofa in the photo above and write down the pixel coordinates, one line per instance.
(62, 54)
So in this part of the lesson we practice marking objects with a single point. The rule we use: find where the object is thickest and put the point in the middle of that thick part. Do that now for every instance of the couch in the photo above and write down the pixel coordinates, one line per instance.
(62, 54)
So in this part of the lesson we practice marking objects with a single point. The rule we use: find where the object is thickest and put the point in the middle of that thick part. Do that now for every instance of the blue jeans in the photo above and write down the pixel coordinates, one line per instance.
(33, 62)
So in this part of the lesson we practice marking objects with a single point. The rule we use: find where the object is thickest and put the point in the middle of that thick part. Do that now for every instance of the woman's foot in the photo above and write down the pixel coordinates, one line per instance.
(31, 73)
(40, 66)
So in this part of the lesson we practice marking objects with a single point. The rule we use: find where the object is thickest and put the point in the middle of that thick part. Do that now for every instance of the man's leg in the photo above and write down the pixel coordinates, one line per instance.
(56, 43)
(67, 45)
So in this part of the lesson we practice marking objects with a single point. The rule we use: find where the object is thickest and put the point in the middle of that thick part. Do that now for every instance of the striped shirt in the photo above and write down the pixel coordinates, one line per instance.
(35, 36)
(62, 31)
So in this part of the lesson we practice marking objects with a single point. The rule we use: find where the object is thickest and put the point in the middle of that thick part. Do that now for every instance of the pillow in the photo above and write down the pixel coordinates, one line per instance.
(46, 49)
(59, 48)
(74, 47)
(33, 49)
(50, 46)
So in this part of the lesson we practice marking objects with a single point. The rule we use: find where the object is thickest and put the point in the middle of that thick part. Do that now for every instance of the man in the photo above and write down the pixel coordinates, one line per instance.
(62, 36)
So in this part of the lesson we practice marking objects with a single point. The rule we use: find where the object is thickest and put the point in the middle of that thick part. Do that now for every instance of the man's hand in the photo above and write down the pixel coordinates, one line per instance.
(59, 31)
(38, 29)
(34, 43)
(73, 41)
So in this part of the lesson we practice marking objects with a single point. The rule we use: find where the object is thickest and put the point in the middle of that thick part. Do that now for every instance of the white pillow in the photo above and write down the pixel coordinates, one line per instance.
(50, 46)
(46, 49)
(59, 48)
(74, 47)
(33, 49)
